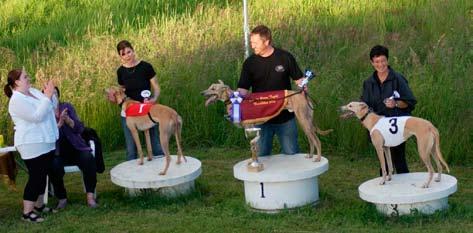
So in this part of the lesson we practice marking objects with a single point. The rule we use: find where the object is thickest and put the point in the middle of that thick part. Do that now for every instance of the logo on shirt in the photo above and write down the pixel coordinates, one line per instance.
(279, 68)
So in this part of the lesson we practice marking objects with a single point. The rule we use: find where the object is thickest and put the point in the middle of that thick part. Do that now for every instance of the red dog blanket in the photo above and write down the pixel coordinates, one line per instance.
(262, 106)
(138, 109)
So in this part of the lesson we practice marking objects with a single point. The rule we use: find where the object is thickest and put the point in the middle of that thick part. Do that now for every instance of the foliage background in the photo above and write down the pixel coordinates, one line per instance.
(193, 43)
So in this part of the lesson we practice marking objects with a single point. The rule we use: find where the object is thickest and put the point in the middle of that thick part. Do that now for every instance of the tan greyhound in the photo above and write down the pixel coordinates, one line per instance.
(296, 102)
(428, 139)
(169, 123)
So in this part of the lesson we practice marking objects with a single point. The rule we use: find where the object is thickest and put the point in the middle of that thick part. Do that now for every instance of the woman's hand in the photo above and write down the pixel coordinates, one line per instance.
(61, 118)
(48, 89)
(390, 103)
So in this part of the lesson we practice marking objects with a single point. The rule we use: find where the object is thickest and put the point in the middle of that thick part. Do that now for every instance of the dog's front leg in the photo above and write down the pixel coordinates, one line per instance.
(148, 145)
(136, 138)
(378, 142)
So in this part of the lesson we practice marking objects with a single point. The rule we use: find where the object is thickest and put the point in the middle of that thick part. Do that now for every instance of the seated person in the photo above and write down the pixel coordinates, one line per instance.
(71, 149)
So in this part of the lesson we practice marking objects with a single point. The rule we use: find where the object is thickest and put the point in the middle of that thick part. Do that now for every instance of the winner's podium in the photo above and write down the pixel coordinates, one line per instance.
(137, 179)
(287, 181)
(404, 193)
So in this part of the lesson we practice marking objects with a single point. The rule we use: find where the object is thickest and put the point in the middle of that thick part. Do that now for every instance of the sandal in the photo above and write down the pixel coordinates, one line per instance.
(44, 209)
(32, 217)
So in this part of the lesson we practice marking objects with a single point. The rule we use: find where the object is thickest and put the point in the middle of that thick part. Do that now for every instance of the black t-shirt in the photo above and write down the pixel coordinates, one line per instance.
(136, 79)
(270, 74)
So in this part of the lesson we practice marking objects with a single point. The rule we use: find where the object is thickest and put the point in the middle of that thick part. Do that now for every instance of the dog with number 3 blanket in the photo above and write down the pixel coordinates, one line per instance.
(387, 132)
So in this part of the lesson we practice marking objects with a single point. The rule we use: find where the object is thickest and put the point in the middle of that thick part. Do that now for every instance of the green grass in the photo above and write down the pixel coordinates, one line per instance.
(218, 205)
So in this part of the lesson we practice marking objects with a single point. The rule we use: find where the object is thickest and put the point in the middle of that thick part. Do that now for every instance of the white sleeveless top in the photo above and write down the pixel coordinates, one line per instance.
(392, 129)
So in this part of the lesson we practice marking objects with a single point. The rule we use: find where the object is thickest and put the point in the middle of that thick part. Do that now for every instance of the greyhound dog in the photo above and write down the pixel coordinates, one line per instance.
(427, 136)
(296, 102)
(169, 123)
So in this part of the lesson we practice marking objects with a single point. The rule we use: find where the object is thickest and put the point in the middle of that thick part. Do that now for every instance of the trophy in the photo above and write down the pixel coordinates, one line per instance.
(253, 134)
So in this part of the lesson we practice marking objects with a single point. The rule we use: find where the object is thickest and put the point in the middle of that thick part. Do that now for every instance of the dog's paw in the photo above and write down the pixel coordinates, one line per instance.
(316, 159)
(150, 158)
(425, 186)
(437, 179)
(382, 182)
(178, 162)
(308, 156)
(140, 162)
(162, 173)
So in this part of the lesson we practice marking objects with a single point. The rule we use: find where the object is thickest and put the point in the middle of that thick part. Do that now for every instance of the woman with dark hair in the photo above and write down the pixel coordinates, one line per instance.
(71, 150)
(388, 94)
(137, 77)
(35, 136)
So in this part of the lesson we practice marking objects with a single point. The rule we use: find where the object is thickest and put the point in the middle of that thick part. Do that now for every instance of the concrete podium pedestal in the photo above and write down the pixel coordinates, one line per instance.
(138, 179)
(404, 194)
(287, 181)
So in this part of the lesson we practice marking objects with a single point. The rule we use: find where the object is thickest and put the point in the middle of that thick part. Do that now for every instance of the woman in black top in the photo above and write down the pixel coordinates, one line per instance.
(387, 93)
(137, 77)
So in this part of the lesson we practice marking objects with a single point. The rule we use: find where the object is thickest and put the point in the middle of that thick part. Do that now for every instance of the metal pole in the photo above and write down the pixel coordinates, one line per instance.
(246, 29)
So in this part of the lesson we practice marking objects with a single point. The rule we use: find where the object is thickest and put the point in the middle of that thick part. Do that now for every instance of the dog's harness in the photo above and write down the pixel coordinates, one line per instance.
(364, 117)
(149, 115)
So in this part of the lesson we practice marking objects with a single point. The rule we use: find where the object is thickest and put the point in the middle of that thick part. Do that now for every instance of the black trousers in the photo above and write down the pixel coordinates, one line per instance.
(84, 160)
(38, 169)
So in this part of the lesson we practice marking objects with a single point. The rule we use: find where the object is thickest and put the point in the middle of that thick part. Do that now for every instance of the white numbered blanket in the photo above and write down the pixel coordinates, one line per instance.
(392, 129)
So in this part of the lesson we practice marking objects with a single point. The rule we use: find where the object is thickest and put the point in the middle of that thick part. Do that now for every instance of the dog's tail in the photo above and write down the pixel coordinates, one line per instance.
(436, 148)
(177, 133)
(323, 132)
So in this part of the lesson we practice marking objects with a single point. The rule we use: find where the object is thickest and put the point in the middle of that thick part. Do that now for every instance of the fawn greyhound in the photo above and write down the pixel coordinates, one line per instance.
(427, 136)
(296, 102)
(169, 123)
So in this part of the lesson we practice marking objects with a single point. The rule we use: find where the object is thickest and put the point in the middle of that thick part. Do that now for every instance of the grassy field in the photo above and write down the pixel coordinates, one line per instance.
(218, 205)
(194, 43)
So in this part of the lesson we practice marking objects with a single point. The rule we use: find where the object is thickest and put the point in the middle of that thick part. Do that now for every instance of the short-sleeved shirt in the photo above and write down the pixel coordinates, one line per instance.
(136, 79)
(271, 73)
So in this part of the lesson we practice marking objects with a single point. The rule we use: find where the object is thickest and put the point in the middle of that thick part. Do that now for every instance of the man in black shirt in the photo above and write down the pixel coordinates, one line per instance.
(270, 69)
(379, 92)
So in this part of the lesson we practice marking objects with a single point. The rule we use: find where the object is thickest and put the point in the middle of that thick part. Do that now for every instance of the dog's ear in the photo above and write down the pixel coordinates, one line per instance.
(363, 105)
(221, 82)
(110, 94)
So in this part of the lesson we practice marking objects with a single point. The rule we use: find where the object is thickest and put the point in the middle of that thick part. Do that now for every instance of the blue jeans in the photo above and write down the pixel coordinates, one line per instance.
(287, 136)
(131, 152)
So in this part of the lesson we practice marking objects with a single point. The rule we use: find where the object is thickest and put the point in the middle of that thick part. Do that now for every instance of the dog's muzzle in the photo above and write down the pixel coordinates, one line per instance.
(345, 113)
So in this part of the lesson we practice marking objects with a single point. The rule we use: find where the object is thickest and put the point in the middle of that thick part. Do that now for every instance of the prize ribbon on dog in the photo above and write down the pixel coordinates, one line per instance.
(235, 99)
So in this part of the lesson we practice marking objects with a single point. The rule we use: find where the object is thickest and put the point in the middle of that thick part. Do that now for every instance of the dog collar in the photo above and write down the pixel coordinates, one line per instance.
(364, 117)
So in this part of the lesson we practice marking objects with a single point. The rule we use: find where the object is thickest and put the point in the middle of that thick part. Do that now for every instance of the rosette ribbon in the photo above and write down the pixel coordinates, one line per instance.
(235, 99)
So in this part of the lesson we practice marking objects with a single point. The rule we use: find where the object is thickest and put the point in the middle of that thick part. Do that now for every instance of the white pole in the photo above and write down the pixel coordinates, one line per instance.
(245, 28)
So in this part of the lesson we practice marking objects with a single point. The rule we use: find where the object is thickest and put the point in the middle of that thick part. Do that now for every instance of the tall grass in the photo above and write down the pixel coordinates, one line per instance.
(193, 43)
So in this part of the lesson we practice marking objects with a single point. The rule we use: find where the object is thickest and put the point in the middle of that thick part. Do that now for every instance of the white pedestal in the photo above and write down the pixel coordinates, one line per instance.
(145, 178)
(404, 194)
(287, 181)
